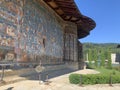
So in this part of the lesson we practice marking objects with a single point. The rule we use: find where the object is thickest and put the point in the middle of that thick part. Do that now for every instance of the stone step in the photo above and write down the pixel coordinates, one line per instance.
(11, 79)
(10, 72)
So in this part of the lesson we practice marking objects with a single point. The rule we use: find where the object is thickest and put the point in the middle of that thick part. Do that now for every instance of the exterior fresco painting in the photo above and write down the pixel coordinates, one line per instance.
(10, 14)
(29, 32)
(35, 32)
(70, 40)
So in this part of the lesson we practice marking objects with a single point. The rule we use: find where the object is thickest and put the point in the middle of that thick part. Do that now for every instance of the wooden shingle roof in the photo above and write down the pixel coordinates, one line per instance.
(68, 11)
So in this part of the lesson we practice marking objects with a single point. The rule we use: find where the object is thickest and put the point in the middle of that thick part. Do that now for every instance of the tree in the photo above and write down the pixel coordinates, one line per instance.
(90, 56)
(95, 58)
(118, 46)
(109, 65)
(102, 58)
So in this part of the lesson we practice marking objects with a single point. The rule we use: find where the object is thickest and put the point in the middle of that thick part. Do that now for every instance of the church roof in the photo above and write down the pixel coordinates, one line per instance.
(68, 11)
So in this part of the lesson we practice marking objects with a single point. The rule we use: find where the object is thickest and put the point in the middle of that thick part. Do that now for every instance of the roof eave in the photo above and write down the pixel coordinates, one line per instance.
(68, 11)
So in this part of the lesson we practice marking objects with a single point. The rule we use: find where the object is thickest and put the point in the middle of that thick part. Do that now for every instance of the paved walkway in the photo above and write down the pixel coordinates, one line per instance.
(58, 83)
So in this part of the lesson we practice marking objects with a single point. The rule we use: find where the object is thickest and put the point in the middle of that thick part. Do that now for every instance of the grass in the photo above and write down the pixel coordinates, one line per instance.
(106, 76)
(107, 71)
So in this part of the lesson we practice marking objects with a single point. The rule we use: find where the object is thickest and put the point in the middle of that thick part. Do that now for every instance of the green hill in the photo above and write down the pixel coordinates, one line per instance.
(112, 47)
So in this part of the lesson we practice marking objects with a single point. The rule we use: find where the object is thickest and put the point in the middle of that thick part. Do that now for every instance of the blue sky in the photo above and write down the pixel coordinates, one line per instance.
(106, 14)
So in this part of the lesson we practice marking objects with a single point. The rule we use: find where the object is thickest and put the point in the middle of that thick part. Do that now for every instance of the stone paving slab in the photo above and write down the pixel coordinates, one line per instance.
(58, 83)
(34, 85)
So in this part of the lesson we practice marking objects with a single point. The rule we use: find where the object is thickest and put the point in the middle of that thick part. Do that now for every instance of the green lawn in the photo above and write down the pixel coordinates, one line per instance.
(106, 76)
(107, 71)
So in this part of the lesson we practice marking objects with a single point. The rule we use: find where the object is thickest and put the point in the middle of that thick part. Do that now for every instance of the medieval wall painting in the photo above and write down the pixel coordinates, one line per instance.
(41, 35)
(10, 16)
(31, 32)
(31, 29)
(70, 45)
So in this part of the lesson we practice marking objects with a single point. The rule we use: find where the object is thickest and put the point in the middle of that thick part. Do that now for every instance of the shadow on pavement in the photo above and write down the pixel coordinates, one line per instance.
(48, 74)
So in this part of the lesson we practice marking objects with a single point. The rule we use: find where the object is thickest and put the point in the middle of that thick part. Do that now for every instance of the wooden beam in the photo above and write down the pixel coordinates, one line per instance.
(70, 18)
(47, 0)
(56, 8)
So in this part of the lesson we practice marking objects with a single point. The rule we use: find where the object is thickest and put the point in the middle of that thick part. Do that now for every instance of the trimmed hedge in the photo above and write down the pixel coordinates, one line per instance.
(74, 78)
(94, 79)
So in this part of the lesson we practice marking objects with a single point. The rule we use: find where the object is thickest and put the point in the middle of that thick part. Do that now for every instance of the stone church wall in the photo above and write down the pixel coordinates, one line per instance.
(32, 32)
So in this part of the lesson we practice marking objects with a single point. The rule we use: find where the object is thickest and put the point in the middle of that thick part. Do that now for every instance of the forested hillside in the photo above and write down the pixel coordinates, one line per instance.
(112, 47)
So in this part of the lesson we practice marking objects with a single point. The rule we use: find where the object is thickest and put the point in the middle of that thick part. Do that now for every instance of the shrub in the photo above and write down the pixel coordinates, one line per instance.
(115, 78)
(117, 68)
(74, 78)
(90, 66)
(94, 78)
